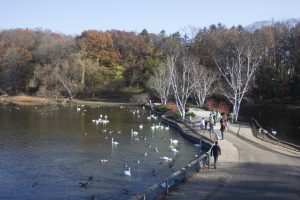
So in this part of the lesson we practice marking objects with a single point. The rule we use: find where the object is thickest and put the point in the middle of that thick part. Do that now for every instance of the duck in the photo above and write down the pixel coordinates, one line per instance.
(90, 178)
(153, 172)
(127, 173)
(83, 185)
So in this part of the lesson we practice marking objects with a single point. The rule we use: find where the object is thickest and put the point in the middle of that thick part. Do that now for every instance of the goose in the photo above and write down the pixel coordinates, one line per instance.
(127, 173)
(166, 158)
(114, 142)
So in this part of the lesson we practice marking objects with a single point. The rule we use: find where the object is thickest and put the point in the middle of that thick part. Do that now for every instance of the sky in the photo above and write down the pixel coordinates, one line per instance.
(74, 16)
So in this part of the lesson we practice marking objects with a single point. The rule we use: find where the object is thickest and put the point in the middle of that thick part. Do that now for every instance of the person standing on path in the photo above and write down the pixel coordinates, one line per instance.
(215, 151)
(222, 129)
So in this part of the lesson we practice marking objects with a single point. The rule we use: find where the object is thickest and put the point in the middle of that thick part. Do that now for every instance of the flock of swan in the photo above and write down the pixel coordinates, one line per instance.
(103, 119)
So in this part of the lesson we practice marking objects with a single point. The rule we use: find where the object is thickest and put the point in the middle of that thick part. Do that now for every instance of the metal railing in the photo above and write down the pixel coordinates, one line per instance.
(163, 188)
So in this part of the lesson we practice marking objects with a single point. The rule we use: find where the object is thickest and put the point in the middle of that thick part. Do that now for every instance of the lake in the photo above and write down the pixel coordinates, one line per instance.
(284, 120)
(46, 151)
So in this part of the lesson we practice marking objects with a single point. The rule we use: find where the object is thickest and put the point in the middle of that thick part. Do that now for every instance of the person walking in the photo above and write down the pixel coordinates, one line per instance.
(222, 129)
(215, 151)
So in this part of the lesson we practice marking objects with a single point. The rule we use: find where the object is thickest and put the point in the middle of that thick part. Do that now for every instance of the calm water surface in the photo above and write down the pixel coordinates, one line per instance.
(285, 121)
(46, 151)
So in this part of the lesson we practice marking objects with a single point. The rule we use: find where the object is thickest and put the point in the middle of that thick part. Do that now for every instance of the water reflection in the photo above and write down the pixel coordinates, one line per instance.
(46, 151)
(285, 121)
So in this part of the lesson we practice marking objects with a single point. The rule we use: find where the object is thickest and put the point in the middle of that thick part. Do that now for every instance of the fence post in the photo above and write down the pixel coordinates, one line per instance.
(167, 187)
(144, 197)
(184, 174)
(198, 165)
(208, 160)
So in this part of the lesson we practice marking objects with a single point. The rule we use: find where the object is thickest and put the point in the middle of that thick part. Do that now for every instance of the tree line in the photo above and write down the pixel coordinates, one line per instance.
(45, 63)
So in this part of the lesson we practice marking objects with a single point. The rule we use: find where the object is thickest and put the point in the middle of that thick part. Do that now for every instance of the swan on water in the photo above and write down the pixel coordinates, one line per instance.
(198, 145)
(127, 173)
(174, 141)
(104, 160)
(166, 158)
(114, 142)
(134, 133)
(174, 150)
(141, 126)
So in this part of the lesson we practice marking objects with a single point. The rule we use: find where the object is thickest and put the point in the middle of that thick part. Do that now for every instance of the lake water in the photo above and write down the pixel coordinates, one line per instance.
(285, 121)
(46, 151)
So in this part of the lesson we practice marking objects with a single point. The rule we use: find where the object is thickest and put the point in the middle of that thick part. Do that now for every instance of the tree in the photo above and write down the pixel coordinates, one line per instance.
(238, 72)
(204, 80)
(160, 82)
(181, 80)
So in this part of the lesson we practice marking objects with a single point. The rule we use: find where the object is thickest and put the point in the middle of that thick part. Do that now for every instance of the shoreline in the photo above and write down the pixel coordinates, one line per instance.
(26, 100)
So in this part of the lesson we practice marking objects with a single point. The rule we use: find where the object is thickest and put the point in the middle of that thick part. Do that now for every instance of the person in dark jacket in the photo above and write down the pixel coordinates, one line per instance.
(215, 151)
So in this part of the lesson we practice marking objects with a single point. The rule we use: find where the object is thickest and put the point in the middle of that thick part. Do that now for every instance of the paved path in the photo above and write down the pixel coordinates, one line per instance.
(245, 171)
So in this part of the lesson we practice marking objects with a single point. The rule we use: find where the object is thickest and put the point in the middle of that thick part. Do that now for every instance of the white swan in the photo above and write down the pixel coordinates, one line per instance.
(167, 127)
(134, 133)
(198, 145)
(141, 126)
(114, 142)
(104, 160)
(174, 141)
(166, 158)
(127, 173)
(174, 150)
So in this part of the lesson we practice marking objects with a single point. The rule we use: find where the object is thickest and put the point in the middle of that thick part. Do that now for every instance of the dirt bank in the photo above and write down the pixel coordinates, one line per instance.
(32, 100)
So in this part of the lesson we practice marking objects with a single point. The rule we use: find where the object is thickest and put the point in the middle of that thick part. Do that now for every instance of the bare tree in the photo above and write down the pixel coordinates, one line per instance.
(204, 80)
(181, 81)
(160, 82)
(238, 73)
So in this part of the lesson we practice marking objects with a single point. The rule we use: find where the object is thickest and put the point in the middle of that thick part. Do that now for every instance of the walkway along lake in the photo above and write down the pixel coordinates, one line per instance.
(46, 151)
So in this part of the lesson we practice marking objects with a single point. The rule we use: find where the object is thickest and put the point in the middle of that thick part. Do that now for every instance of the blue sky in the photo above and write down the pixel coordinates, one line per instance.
(75, 16)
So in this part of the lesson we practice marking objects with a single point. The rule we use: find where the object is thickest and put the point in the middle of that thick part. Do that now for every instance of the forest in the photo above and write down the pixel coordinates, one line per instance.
(96, 63)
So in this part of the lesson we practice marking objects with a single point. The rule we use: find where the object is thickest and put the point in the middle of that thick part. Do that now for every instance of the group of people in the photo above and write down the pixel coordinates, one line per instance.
(214, 118)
